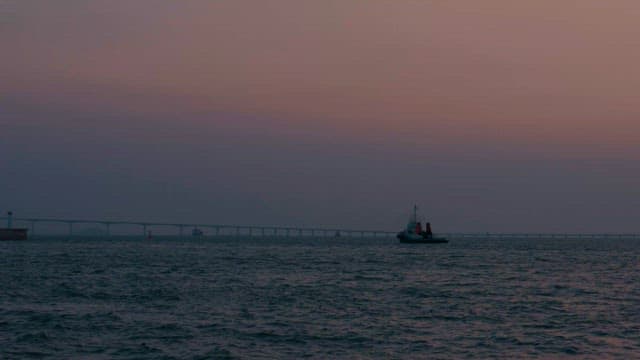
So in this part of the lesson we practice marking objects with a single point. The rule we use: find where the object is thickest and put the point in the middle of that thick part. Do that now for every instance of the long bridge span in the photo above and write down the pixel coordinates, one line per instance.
(184, 229)
(208, 229)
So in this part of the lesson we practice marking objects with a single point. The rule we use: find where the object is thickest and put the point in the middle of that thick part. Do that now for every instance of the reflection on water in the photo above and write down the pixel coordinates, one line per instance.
(337, 298)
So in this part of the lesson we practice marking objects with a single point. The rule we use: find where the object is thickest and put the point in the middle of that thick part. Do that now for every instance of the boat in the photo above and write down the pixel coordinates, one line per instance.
(197, 232)
(414, 234)
(11, 233)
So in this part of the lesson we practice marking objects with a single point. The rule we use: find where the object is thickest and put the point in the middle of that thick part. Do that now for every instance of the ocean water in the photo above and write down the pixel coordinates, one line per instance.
(127, 298)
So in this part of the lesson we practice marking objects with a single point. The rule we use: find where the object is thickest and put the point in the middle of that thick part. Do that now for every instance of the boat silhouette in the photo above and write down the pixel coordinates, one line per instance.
(413, 233)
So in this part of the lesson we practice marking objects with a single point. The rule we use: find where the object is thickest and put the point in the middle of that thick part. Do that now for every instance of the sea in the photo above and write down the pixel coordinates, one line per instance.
(339, 298)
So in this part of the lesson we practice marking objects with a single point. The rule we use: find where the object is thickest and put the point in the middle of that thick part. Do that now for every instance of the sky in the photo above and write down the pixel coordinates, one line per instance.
(490, 116)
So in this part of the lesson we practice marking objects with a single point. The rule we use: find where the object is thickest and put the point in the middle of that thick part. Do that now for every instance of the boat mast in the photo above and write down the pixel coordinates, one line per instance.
(415, 213)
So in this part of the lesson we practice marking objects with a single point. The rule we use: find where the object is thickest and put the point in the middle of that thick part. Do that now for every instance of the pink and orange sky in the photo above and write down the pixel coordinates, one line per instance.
(492, 115)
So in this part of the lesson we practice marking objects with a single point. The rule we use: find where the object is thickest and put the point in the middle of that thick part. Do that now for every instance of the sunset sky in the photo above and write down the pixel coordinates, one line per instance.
(490, 115)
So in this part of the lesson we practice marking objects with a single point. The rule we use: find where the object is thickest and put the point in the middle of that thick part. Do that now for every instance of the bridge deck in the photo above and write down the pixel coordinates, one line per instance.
(252, 230)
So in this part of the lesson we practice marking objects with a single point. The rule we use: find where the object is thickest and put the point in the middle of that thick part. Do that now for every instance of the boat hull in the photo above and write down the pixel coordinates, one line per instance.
(13, 234)
(424, 241)
(419, 239)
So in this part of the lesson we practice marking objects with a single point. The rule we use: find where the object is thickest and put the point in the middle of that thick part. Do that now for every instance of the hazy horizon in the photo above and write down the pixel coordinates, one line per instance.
(502, 116)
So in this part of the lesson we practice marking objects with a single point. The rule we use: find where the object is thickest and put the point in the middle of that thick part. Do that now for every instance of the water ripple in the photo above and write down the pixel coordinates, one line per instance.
(289, 298)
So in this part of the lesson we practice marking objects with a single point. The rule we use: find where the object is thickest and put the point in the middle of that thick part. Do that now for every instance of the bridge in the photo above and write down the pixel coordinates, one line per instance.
(542, 235)
(256, 230)
(214, 229)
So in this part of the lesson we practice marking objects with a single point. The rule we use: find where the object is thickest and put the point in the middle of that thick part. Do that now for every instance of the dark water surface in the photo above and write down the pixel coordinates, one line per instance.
(342, 298)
